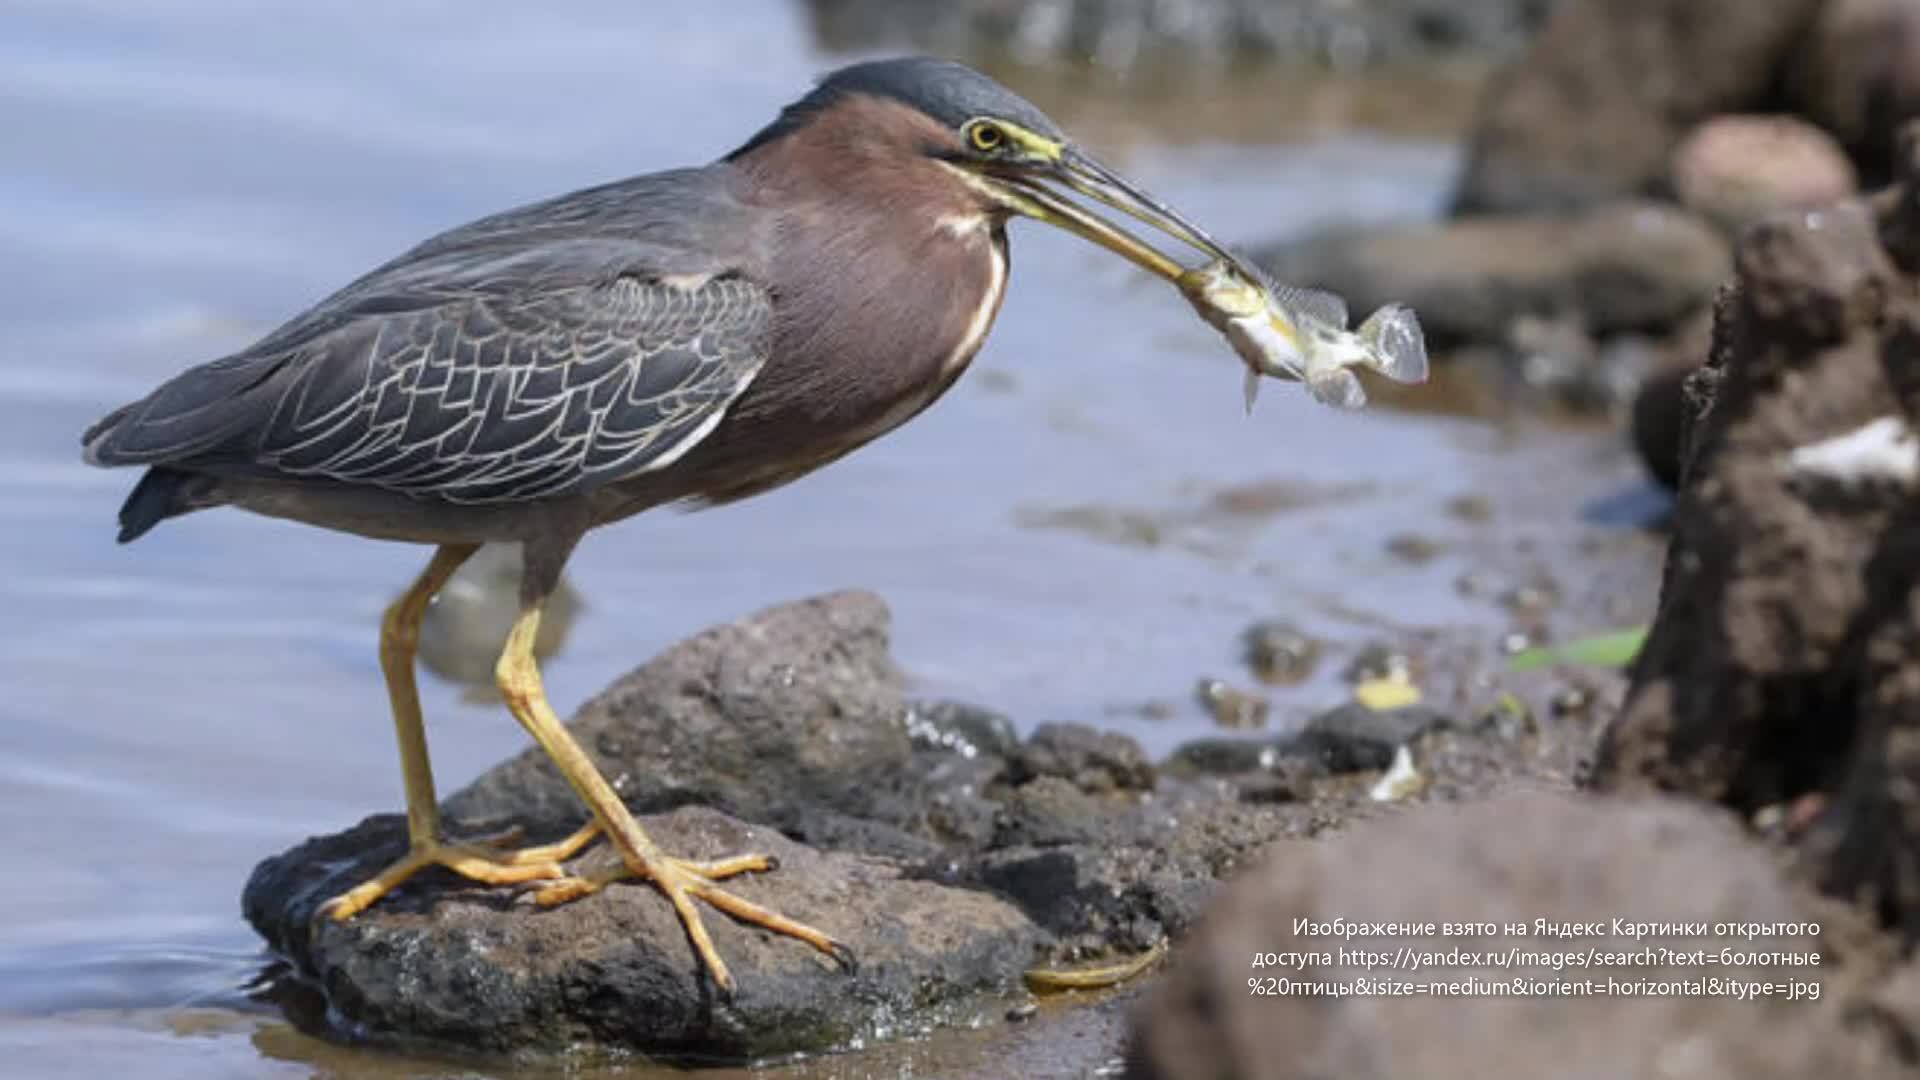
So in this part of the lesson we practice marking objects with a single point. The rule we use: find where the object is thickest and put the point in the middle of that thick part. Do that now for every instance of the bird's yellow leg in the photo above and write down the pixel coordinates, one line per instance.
(682, 881)
(480, 861)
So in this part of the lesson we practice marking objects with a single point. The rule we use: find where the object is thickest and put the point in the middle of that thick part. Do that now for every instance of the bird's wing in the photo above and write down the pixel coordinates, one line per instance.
(485, 371)
(543, 396)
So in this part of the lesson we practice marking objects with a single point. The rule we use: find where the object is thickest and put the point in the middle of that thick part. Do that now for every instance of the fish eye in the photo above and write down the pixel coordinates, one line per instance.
(985, 136)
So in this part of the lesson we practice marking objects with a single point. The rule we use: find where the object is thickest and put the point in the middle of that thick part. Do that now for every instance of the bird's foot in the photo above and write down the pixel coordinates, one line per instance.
(486, 860)
(683, 881)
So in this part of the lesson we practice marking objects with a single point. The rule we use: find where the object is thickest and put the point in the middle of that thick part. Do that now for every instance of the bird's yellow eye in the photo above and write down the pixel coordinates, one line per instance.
(985, 137)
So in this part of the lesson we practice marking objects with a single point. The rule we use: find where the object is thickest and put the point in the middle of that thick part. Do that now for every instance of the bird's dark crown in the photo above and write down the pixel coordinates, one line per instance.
(949, 92)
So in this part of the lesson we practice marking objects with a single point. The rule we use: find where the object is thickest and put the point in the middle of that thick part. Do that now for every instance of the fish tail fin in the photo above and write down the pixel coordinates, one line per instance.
(1395, 346)
(1251, 389)
(1337, 387)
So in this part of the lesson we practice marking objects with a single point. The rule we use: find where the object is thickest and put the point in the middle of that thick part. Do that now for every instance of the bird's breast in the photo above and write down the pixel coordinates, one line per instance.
(871, 327)
(964, 319)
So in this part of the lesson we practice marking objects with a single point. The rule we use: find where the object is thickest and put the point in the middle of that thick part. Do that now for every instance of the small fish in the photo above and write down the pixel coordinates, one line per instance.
(1287, 332)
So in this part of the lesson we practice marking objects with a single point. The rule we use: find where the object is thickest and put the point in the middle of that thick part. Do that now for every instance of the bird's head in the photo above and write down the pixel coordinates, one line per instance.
(994, 146)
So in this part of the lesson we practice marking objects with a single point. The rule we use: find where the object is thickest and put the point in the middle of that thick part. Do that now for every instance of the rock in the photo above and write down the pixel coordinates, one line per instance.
(1122, 36)
(1857, 75)
(1092, 760)
(1592, 111)
(941, 848)
(1280, 653)
(1782, 661)
(1230, 706)
(1353, 738)
(1659, 409)
(1379, 661)
(1347, 739)
(1660, 403)
(1146, 874)
(1624, 267)
(766, 719)
(966, 729)
(1735, 170)
(463, 968)
(1513, 859)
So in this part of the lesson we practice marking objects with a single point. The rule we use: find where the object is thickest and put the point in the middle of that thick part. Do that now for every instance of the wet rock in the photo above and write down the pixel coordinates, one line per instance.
(965, 729)
(1353, 738)
(1050, 811)
(1782, 660)
(1149, 878)
(1379, 662)
(1513, 859)
(1622, 267)
(1279, 653)
(1092, 760)
(1472, 509)
(1857, 75)
(1122, 36)
(1414, 549)
(1593, 110)
(1219, 756)
(1231, 707)
(463, 968)
(1350, 738)
(1735, 170)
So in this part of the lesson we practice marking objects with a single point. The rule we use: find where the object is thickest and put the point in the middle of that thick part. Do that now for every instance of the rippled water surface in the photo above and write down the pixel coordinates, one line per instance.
(1081, 526)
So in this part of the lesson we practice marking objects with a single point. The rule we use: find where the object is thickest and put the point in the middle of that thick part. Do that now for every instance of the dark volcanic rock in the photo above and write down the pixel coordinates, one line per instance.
(466, 968)
(1513, 859)
(1631, 266)
(769, 719)
(791, 718)
(1353, 737)
(1348, 738)
(1593, 111)
(1784, 664)
(1142, 877)
(1091, 759)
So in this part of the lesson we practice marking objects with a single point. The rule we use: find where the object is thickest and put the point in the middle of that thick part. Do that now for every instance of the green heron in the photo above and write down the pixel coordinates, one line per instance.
(694, 336)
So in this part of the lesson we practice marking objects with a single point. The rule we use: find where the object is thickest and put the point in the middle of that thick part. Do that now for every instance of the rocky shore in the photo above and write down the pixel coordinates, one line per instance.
(954, 854)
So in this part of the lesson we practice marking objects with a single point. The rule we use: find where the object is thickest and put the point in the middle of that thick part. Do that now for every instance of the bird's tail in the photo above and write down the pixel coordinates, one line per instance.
(162, 493)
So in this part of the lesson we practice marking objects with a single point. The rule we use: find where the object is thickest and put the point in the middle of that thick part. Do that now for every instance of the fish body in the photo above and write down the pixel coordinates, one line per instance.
(1286, 332)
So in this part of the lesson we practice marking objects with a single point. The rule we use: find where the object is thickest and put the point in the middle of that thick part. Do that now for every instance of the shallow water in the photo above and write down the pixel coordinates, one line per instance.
(1083, 525)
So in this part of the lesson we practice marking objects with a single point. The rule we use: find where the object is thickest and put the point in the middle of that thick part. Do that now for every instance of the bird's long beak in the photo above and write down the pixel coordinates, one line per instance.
(1029, 192)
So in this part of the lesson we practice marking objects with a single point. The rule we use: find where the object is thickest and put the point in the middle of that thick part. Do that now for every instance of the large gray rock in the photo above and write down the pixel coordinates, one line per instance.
(1622, 267)
(1593, 110)
(465, 968)
(1512, 859)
